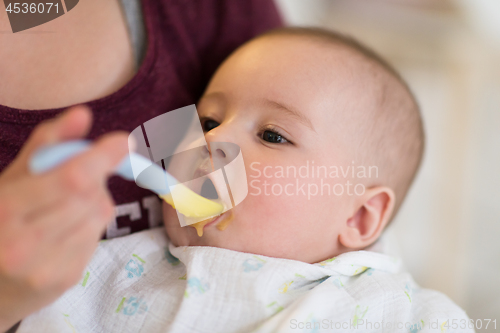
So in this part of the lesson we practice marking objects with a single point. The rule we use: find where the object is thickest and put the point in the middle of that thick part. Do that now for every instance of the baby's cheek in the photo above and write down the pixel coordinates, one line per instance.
(279, 200)
(274, 224)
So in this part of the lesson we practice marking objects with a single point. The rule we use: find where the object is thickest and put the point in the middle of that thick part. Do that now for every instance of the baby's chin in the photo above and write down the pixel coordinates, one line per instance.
(187, 236)
(212, 234)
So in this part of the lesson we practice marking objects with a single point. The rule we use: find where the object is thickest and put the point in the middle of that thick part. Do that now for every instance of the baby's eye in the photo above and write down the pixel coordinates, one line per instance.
(273, 137)
(209, 125)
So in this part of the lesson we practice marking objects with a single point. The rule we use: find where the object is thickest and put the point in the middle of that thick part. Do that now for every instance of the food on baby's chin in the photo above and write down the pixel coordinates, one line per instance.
(222, 225)
(226, 219)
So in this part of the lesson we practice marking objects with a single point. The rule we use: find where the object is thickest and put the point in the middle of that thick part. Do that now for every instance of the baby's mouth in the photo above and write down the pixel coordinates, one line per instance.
(210, 191)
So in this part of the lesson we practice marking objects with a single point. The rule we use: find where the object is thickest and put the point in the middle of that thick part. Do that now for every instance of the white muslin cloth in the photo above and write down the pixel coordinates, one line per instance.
(142, 283)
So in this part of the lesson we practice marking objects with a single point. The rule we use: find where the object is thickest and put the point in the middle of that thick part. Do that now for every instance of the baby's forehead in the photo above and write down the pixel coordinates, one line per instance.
(345, 74)
(327, 64)
(327, 51)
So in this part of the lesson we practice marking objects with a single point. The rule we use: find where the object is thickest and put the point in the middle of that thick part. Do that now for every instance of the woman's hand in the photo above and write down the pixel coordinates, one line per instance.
(50, 224)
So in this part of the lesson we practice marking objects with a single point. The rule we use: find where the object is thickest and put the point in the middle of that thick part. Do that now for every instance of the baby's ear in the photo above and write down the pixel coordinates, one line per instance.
(366, 225)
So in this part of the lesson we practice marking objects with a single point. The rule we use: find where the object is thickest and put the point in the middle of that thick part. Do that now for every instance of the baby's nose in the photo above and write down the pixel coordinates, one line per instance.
(219, 153)
(223, 153)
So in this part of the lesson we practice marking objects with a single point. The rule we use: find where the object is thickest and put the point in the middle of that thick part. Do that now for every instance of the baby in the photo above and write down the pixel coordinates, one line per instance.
(293, 256)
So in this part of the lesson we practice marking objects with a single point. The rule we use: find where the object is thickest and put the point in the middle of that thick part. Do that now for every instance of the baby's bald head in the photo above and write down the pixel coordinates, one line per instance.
(389, 134)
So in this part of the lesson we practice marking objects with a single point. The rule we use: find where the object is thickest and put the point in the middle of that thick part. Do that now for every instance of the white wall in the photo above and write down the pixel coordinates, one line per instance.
(448, 51)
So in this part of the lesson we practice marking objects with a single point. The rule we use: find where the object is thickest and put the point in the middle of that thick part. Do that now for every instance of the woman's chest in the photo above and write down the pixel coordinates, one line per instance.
(81, 56)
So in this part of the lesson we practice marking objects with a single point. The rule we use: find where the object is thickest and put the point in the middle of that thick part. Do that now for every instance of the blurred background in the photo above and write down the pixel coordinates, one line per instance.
(448, 230)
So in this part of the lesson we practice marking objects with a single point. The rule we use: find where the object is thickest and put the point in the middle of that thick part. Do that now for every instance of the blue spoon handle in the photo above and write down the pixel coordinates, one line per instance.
(51, 156)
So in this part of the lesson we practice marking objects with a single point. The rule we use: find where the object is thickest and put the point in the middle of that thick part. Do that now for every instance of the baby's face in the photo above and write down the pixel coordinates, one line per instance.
(285, 102)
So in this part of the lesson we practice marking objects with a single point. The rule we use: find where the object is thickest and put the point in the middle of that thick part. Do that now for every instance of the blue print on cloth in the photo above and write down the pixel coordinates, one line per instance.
(134, 306)
(417, 327)
(134, 268)
(170, 258)
(369, 271)
(253, 264)
(195, 286)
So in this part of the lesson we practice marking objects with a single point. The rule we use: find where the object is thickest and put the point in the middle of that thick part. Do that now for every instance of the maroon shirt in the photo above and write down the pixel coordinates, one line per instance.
(187, 40)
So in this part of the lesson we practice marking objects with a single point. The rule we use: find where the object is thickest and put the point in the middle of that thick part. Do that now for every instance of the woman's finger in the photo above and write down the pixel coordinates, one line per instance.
(58, 221)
